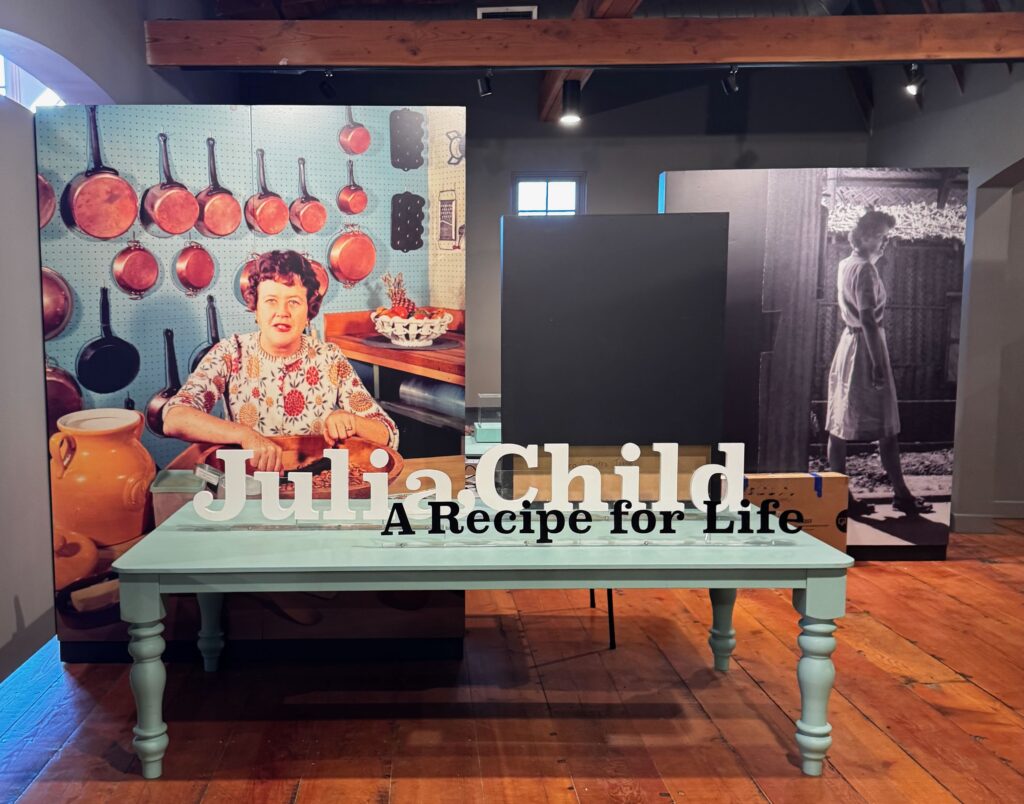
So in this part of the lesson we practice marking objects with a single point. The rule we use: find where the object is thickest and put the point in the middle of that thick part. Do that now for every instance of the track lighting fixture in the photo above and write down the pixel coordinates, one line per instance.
(570, 103)
(915, 80)
(483, 84)
(731, 83)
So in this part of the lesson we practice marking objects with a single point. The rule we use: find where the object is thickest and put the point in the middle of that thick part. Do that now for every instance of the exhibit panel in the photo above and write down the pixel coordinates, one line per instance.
(168, 221)
(838, 255)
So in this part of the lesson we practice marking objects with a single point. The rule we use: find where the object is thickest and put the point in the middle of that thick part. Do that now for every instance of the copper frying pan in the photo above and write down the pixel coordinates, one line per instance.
(47, 200)
(58, 303)
(354, 138)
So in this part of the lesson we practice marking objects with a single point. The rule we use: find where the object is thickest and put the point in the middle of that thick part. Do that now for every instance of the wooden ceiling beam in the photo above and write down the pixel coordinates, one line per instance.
(550, 99)
(959, 72)
(585, 43)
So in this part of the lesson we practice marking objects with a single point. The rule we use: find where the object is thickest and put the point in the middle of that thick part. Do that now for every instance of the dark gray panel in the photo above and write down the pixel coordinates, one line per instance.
(613, 328)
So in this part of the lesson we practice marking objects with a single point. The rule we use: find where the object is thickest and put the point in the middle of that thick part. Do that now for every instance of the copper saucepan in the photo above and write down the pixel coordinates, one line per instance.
(98, 202)
(195, 268)
(58, 303)
(354, 138)
(352, 197)
(219, 211)
(306, 213)
(168, 208)
(47, 200)
(265, 212)
(135, 270)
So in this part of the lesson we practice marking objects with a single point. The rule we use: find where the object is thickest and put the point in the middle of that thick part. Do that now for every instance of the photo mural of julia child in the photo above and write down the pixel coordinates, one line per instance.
(226, 236)
(843, 319)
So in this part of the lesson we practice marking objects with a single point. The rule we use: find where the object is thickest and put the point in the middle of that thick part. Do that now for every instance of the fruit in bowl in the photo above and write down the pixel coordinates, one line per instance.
(405, 324)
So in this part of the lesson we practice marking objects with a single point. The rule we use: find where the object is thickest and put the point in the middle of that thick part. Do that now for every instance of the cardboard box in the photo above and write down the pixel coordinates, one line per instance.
(820, 496)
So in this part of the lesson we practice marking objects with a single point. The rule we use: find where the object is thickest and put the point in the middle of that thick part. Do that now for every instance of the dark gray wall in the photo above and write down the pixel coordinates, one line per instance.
(982, 129)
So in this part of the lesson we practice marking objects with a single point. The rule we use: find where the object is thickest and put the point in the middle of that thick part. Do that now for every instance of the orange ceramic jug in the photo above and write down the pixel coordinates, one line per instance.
(100, 475)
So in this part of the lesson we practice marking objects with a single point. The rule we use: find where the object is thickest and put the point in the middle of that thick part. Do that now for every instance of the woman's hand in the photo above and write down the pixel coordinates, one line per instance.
(266, 455)
(338, 426)
(877, 376)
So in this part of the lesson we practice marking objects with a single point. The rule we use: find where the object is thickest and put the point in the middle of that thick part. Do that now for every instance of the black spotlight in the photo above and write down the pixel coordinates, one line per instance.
(483, 84)
(731, 83)
(326, 88)
(915, 80)
(570, 103)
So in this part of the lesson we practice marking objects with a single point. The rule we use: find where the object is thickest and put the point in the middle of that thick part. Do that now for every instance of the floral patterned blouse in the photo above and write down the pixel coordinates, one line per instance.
(290, 395)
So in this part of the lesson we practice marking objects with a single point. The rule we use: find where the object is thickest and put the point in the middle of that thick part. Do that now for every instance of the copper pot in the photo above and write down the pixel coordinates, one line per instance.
(306, 213)
(352, 198)
(47, 200)
(247, 270)
(195, 268)
(63, 394)
(352, 256)
(321, 275)
(98, 202)
(58, 303)
(155, 406)
(135, 270)
(354, 138)
(219, 211)
(265, 212)
(168, 208)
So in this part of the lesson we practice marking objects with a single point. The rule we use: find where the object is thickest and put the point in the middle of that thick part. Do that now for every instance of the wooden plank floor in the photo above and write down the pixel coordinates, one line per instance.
(928, 706)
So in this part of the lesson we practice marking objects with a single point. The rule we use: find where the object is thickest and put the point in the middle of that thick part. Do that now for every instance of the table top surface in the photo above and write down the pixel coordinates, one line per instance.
(186, 543)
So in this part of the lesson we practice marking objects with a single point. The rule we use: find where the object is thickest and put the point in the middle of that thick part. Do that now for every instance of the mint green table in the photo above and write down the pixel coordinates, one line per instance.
(249, 554)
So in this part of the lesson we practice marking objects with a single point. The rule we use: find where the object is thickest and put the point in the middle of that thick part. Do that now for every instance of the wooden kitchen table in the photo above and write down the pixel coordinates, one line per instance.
(187, 554)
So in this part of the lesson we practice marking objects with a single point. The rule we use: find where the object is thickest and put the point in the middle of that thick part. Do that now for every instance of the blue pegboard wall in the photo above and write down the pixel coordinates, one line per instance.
(128, 136)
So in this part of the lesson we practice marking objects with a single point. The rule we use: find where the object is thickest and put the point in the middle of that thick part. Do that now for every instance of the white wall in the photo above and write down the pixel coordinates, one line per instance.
(104, 39)
(982, 129)
(89, 51)
(26, 570)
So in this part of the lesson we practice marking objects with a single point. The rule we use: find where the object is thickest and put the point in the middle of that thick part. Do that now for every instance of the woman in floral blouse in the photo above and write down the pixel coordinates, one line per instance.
(277, 381)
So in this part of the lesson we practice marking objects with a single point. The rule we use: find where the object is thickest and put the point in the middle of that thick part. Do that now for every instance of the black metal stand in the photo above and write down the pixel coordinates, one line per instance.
(611, 616)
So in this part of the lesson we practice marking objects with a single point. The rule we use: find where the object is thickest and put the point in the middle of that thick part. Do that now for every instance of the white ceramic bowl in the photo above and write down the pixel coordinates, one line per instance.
(411, 333)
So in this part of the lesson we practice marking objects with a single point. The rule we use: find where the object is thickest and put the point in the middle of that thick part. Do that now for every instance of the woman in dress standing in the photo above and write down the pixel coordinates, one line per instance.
(861, 389)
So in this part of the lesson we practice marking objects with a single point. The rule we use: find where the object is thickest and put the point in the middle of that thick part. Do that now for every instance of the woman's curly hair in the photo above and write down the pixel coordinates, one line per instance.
(285, 267)
(872, 225)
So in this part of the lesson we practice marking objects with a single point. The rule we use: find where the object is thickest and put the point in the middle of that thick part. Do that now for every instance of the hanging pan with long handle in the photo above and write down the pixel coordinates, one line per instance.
(168, 208)
(352, 198)
(108, 363)
(354, 138)
(219, 211)
(265, 212)
(98, 202)
(155, 406)
(213, 332)
(306, 213)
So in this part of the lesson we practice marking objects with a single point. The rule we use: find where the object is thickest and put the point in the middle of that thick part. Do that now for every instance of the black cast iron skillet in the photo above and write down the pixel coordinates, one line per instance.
(108, 363)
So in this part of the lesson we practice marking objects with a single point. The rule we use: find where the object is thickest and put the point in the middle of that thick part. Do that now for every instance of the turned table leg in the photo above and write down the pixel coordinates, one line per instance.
(816, 673)
(148, 678)
(211, 637)
(820, 603)
(722, 638)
